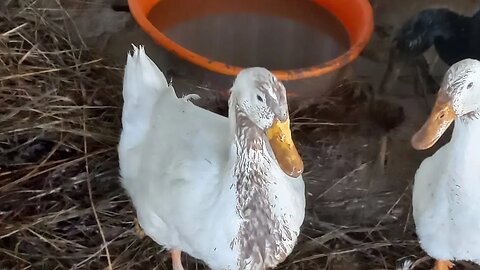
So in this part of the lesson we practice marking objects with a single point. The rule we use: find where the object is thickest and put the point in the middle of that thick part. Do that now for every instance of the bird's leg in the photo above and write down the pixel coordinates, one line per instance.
(394, 67)
(177, 259)
(138, 229)
(443, 265)
(424, 72)
(423, 86)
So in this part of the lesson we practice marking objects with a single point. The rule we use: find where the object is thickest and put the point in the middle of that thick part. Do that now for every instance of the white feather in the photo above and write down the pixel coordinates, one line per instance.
(446, 196)
(174, 161)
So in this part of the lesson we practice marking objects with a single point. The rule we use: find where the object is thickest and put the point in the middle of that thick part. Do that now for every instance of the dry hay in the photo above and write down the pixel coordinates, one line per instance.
(61, 203)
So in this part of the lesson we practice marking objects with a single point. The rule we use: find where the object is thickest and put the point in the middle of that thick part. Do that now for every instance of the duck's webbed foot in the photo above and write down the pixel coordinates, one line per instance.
(443, 265)
(138, 229)
(177, 259)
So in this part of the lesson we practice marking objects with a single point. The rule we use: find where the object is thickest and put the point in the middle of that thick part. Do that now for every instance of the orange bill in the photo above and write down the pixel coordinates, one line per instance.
(440, 118)
(284, 149)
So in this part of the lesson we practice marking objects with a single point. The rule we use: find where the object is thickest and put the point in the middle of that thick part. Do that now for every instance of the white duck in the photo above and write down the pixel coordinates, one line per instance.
(446, 200)
(227, 191)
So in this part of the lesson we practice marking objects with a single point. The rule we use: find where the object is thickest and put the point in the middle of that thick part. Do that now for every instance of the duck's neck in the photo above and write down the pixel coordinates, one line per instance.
(464, 160)
(249, 142)
(250, 150)
(258, 232)
(251, 162)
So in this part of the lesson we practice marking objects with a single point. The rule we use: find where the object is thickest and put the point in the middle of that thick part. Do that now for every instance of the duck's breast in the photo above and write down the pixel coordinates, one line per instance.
(447, 222)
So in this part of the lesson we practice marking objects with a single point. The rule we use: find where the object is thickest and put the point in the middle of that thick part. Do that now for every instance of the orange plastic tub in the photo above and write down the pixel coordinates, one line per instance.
(355, 16)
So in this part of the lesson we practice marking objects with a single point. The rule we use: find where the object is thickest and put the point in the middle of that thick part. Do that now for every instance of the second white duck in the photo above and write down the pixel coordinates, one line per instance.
(446, 199)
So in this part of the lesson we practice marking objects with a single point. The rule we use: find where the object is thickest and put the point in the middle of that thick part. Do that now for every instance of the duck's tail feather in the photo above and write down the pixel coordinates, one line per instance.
(143, 85)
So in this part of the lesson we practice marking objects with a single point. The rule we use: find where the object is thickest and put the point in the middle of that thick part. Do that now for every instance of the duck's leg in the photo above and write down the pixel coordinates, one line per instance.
(177, 259)
(138, 229)
(443, 265)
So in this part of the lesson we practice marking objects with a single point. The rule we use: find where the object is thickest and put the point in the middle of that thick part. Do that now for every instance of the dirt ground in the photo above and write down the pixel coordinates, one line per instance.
(359, 175)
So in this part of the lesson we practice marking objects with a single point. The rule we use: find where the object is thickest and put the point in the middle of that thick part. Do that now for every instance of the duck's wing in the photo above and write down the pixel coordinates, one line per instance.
(168, 147)
(430, 184)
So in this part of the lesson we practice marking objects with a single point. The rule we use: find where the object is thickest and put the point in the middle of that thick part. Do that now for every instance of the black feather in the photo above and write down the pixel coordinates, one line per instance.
(454, 36)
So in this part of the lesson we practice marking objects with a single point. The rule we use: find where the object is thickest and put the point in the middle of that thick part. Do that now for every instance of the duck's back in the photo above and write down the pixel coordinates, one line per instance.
(172, 156)
(460, 39)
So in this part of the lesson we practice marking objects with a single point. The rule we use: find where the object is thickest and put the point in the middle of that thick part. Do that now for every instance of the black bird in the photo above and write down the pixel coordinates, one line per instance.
(454, 36)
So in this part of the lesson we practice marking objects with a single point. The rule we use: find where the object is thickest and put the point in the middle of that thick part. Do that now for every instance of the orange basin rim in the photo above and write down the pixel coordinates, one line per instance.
(355, 15)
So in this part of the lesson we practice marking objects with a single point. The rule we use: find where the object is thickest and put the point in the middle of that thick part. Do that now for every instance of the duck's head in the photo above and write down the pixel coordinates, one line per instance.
(458, 98)
(262, 98)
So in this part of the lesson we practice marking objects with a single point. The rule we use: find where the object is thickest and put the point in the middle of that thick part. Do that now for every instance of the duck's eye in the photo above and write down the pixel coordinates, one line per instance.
(470, 85)
(259, 98)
